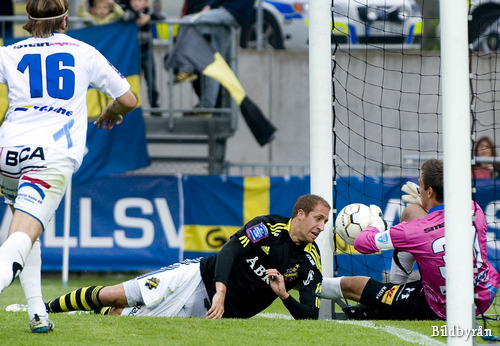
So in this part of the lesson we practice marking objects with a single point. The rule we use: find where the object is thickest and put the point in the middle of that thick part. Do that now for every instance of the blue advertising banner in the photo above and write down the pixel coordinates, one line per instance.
(139, 223)
(119, 223)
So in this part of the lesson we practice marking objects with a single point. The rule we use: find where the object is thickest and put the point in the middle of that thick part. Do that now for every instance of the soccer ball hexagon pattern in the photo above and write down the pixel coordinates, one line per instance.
(351, 220)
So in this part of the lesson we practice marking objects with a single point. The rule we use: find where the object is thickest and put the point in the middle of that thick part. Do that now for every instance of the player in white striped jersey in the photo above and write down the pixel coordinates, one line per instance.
(42, 139)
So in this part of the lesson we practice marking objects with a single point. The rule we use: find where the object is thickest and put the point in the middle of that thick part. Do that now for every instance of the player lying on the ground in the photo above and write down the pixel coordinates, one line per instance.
(423, 237)
(262, 261)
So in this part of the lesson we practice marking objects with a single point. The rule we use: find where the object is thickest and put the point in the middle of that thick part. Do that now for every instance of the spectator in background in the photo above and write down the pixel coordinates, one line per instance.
(139, 11)
(193, 6)
(6, 9)
(485, 170)
(213, 23)
(100, 11)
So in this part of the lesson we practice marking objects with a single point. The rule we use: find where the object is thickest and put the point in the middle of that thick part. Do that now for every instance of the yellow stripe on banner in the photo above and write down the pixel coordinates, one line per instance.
(220, 71)
(4, 102)
(96, 100)
(256, 200)
(207, 238)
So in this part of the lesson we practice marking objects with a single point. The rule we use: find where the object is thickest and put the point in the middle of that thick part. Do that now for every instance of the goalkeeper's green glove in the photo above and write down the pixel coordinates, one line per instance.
(377, 218)
(413, 193)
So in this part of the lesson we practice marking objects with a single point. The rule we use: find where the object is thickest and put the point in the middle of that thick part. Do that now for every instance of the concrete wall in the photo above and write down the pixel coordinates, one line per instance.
(387, 107)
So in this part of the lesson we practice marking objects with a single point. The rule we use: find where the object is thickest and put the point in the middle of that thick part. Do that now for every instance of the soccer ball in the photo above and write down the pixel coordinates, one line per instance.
(351, 220)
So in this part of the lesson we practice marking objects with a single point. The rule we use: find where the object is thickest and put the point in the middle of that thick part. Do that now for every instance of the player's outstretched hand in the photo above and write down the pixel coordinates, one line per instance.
(413, 193)
(377, 218)
(107, 121)
(217, 309)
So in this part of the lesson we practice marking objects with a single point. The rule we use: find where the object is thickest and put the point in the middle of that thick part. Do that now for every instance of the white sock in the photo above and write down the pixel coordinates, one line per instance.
(400, 275)
(13, 254)
(330, 288)
(31, 281)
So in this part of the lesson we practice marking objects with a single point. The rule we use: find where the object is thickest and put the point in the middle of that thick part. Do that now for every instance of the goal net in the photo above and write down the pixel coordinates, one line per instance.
(388, 117)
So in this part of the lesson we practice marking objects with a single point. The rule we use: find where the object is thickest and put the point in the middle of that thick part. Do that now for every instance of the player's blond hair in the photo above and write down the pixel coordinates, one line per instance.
(46, 16)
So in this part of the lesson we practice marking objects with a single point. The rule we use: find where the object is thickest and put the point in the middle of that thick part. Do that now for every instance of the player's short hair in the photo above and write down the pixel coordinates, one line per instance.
(432, 176)
(40, 14)
(307, 203)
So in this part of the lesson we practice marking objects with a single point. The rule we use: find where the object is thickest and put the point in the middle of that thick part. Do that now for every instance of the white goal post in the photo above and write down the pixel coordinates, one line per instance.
(321, 135)
(456, 160)
(456, 149)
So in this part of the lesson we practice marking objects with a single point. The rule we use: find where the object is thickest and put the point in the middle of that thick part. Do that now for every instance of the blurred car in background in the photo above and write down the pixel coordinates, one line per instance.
(284, 25)
(377, 21)
(285, 22)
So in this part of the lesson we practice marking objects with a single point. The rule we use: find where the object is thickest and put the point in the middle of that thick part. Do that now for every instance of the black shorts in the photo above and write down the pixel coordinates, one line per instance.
(399, 302)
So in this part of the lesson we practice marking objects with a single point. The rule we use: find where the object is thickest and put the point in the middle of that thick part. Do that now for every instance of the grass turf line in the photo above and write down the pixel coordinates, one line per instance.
(260, 330)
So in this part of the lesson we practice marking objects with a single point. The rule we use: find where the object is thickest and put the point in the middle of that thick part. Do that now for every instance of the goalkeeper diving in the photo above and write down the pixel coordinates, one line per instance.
(419, 237)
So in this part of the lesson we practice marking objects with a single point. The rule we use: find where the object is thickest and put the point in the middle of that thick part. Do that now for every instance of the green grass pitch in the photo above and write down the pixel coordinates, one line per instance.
(274, 326)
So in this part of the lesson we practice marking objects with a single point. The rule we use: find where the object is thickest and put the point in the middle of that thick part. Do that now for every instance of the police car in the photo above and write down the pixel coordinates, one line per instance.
(377, 21)
(355, 22)
(284, 25)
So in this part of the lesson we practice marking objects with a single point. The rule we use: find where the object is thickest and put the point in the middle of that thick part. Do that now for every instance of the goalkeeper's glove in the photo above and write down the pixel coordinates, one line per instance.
(377, 218)
(413, 193)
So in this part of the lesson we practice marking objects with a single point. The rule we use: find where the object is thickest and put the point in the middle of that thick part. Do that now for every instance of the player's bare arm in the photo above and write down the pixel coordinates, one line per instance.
(217, 309)
(113, 113)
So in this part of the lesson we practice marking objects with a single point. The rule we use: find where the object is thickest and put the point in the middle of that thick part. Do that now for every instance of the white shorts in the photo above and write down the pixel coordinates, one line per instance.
(33, 179)
(173, 291)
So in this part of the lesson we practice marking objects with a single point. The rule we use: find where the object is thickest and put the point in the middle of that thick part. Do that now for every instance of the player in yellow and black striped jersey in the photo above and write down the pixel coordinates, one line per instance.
(262, 261)
(264, 243)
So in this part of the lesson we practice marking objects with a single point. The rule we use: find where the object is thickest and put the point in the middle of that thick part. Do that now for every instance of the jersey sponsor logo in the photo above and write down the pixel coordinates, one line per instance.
(257, 232)
(383, 241)
(312, 250)
(310, 277)
(13, 158)
(434, 228)
(35, 185)
(310, 259)
(379, 294)
(318, 289)
(46, 44)
(134, 311)
(152, 283)
(259, 270)
(406, 293)
(389, 295)
(382, 238)
(291, 273)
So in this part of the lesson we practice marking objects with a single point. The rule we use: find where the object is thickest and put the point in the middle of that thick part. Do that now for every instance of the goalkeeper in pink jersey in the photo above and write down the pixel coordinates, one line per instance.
(423, 238)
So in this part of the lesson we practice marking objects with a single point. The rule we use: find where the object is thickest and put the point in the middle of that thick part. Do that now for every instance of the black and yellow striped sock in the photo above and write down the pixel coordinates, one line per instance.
(103, 311)
(85, 298)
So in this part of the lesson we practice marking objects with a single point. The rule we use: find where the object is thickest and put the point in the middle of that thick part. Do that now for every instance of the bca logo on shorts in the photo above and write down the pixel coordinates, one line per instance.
(257, 232)
(152, 283)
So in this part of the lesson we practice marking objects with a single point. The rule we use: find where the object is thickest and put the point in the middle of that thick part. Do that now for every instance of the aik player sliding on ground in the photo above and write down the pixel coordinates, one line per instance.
(262, 261)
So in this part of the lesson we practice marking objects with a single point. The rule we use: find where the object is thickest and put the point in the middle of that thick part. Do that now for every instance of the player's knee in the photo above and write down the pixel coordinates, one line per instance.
(113, 296)
(352, 286)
